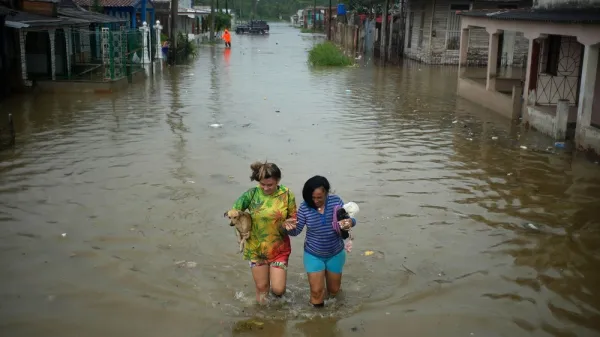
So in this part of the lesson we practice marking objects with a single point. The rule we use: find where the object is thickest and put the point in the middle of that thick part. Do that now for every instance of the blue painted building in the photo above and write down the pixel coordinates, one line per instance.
(135, 11)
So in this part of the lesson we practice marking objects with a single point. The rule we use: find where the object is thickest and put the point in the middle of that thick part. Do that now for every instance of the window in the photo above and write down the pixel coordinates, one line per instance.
(505, 6)
(552, 54)
(453, 26)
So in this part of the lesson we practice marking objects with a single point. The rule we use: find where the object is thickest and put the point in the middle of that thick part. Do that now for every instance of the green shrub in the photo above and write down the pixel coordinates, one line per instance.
(310, 30)
(327, 54)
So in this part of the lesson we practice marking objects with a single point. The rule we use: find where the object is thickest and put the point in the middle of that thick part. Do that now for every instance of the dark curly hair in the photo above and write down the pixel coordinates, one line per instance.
(311, 185)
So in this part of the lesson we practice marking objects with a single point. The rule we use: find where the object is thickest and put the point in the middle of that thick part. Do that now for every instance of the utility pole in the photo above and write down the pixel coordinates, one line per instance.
(382, 49)
(329, 25)
(212, 20)
(314, 16)
(172, 32)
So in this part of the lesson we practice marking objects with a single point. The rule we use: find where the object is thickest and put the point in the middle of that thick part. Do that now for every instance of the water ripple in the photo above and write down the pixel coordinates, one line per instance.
(139, 180)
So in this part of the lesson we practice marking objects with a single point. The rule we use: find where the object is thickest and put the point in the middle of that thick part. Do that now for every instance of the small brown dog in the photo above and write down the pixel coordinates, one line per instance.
(243, 224)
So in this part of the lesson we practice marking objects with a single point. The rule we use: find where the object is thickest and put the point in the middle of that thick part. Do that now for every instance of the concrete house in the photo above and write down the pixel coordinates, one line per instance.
(558, 92)
(432, 32)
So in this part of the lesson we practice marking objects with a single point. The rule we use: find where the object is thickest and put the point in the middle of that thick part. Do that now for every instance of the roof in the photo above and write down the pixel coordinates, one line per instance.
(91, 17)
(6, 11)
(108, 3)
(591, 15)
(70, 9)
(19, 20)
(162, 5)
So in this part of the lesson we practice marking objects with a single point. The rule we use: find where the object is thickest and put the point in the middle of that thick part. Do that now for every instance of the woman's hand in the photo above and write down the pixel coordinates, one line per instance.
(290, 224)
(345, 224)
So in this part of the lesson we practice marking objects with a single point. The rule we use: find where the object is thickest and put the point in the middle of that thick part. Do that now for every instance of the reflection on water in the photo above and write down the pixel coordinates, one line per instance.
(138, 181)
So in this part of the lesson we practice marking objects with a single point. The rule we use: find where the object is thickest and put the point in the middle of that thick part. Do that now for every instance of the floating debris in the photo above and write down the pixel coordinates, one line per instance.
(523, 147)
(186, 264)
(494, 138)
(530, 226)
(64, 235)
(216, 125)
(247, 325)
(373, 253)
(560, 145)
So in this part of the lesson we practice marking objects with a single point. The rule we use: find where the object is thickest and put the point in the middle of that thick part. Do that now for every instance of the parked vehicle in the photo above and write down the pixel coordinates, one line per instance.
(253, 27)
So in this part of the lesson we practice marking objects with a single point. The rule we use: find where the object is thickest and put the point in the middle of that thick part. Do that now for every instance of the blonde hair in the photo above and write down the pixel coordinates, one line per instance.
(264, 170)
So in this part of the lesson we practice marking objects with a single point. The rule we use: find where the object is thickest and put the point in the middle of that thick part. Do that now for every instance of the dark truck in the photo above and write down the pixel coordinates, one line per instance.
(253, 27)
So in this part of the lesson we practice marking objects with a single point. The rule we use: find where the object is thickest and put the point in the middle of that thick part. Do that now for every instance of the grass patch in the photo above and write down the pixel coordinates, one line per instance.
(310, 30)
(328, 55)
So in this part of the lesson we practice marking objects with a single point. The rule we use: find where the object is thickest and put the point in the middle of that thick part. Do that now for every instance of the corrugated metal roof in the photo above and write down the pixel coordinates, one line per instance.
(69, 8)
(589, 16)
(19, 20)
(108, 3)
(89, 16)
(162, 5)
(6, 11)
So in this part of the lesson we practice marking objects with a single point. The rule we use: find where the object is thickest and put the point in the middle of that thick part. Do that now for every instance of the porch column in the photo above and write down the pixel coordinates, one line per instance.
(145, 56)
(22, 39)
(132, 15)
(51, 35)
(533, 61)
(528, 70)
(152, 15)
(464, 50)
(143, 11)
(68, 49)
(158, 28)
(589, 68)
(492, 69)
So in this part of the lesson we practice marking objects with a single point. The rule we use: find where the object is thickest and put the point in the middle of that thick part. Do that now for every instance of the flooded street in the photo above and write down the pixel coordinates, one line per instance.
(105, 194)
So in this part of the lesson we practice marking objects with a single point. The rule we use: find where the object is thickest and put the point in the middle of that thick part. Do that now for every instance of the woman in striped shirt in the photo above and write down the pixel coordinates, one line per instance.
(324, 254)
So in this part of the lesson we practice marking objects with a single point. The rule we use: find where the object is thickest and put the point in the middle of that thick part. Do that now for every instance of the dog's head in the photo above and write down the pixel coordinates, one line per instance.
(342, 214)
(233, 215)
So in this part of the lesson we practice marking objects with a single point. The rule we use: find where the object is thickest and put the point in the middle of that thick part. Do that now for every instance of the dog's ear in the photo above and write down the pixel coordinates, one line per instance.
(225, 214)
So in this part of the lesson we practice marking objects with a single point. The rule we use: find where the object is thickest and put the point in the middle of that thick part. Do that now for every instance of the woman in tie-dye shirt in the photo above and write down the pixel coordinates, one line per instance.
(272, 207)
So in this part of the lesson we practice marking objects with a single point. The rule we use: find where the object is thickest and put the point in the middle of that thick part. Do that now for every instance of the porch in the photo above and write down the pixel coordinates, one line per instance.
(556, 91)
(77, 47)
(433, 30)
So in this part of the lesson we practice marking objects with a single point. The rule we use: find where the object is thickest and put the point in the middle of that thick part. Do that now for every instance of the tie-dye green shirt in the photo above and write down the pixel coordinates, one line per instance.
(268, 239)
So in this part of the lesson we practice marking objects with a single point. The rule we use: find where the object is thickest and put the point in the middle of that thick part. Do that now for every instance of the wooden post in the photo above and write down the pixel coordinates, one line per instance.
(314, 15)
(329, 25)
(382, 48)
(212, 20)
(173, 33)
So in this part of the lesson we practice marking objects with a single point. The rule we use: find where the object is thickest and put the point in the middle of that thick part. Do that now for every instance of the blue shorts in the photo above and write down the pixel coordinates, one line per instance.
(334, 264)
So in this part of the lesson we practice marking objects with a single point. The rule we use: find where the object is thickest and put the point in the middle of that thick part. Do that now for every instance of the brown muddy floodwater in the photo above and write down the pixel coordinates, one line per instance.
(139, 180)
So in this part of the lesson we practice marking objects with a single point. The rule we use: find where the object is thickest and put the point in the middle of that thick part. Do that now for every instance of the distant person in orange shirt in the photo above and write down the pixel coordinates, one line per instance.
(227, 38)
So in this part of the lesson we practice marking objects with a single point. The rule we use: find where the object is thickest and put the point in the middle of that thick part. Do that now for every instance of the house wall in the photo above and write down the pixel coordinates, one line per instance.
(550, 88)
(440, 39)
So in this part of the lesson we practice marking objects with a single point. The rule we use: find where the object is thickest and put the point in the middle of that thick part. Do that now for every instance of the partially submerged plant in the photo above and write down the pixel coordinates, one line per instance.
(327, 54)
